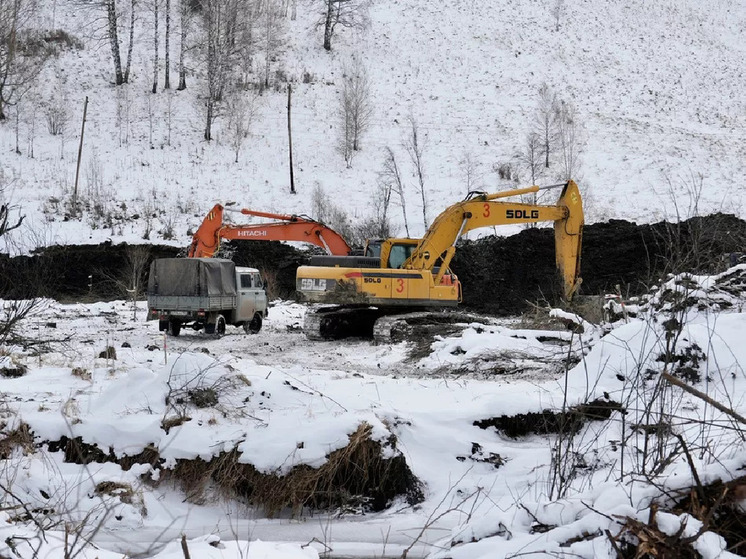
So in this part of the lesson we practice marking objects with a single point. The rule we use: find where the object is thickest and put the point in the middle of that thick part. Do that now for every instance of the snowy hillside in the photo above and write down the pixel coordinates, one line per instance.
(656, 86)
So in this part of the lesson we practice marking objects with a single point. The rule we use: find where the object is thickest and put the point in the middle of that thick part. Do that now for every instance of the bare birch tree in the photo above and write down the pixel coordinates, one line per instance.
(218, 51)
(167, 46)
(241, 109)
(225, 23)
(356, 109)
(111, 19)
(344, 13)
(472, 172)
(131, 42)
(390, 174)
(546, 120)
(155, 46)
(569, 134)
(273, 35)
(558, 11)
(531, 157)
(415, 146)
(184, 22)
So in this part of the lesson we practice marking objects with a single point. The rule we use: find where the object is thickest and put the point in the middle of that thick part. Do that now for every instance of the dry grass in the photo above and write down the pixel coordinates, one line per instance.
(20, 438)
(354, 477)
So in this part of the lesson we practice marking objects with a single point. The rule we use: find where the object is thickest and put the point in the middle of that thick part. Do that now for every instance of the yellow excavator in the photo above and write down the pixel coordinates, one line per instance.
(397, 276)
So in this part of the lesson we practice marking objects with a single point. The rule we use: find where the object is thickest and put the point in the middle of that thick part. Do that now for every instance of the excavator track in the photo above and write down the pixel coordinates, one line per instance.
(334, 323)
(382, 325)
(421, 324)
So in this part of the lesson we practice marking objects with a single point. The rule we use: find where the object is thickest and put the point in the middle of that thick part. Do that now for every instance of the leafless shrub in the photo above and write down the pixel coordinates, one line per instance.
(16, 438)
(131, 280)
(271, 282)
(505, 171)
(57, 118)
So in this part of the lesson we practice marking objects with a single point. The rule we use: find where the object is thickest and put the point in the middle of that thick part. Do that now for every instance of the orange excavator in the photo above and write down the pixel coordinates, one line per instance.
(206, 240)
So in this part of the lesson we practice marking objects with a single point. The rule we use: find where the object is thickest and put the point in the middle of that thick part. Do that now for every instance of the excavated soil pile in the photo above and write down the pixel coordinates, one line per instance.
(503, 275)
(104, 271)
(500, 275)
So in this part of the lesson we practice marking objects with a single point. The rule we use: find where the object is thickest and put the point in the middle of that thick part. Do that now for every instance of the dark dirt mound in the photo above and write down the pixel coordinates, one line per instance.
(500, 275)
(101, 272)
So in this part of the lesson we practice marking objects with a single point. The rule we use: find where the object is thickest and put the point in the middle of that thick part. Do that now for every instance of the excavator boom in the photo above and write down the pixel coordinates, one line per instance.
(206, 240)
(484, 210)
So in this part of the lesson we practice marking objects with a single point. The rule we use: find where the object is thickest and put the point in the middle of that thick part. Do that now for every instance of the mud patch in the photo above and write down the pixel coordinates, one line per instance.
(548, 421)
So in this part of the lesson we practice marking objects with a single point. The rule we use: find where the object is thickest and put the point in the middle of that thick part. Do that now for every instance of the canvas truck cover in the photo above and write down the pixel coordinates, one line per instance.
(200, 277)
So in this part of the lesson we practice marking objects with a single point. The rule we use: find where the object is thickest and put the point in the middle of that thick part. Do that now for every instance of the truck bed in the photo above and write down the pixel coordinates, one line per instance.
(189, 303)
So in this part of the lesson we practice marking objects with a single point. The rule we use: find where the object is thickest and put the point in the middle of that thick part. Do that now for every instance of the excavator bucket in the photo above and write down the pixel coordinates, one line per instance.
(207, 240)
(568, 238)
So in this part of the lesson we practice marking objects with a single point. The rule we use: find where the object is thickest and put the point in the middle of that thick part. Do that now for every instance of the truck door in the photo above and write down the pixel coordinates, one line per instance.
(260, 295)
(247, 296)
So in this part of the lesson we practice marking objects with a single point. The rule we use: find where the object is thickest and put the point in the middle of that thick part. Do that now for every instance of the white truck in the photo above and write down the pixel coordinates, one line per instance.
(205, 293)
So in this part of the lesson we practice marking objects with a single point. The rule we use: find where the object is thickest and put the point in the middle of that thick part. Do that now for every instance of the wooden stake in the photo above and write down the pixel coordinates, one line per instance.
(80, 154)
(290, 146)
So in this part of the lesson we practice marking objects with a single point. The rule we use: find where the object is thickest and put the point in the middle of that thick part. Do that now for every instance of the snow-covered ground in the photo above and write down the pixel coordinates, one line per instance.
(284, 401)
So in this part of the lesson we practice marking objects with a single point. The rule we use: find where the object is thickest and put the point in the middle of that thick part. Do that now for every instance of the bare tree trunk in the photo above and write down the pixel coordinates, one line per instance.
(328, 24)
(209, 118)
(155, 46)
(183, 8)
(167, 79)
(111, 16)
(132, 42)
(269, 32)
(392, 175)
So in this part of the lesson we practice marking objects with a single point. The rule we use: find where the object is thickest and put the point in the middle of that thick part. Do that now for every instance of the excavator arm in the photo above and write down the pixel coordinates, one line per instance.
(485, 210)
(206, 241)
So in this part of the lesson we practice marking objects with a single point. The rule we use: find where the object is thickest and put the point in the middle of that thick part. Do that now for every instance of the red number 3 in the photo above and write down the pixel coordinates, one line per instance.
(486, 212)
(400, 287)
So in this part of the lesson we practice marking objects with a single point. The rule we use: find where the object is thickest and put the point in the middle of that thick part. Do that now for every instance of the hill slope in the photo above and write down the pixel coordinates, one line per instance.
(656, 87)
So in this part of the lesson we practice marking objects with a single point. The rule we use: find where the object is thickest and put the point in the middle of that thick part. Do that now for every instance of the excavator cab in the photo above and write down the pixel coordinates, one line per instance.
(391, 252)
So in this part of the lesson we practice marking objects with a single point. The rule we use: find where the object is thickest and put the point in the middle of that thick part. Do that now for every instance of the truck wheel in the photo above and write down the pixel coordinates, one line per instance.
(174, 327)
(219, 326)
(254, 325)
(162, 325)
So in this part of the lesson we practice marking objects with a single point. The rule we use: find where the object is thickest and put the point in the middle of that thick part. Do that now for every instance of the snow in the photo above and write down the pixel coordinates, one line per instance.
(658, 90)
(279, 416)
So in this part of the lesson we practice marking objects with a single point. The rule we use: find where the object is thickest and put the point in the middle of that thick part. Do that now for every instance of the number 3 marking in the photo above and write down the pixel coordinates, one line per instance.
(400, 287)
(486, 212)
